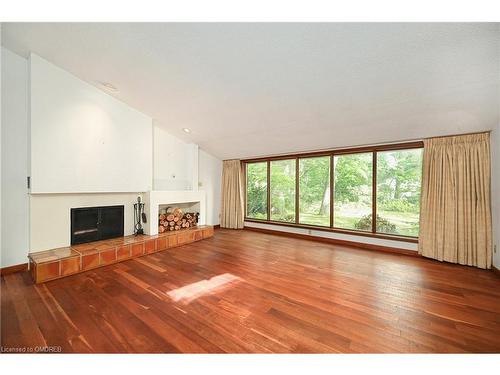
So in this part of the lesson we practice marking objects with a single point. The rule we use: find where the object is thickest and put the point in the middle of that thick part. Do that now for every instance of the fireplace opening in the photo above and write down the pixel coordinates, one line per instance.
(96, 223)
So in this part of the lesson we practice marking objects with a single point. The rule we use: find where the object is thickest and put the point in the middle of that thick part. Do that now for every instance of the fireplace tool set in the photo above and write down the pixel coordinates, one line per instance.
(139, 217)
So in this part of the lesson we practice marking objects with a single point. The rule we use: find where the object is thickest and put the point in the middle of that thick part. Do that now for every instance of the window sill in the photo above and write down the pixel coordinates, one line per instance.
(337, 230)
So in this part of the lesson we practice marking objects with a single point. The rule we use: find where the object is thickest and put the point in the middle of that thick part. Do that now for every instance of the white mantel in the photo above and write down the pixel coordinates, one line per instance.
(153, 200)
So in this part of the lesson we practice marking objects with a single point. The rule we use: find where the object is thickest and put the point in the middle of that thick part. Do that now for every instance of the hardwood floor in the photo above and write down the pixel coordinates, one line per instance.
(243, 291)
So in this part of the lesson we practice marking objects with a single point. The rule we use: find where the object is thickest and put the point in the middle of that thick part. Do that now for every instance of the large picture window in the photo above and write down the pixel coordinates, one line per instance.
(257, 190)
(282, 186)
(353, 191)
(399, 175)
(370, 191)
(314, 191)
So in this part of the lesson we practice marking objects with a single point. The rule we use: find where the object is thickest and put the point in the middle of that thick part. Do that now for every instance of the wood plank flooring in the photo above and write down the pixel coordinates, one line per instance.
(243, 291)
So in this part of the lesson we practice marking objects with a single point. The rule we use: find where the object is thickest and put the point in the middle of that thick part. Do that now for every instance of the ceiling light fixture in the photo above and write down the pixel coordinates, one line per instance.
(186, 130)
(108, 86)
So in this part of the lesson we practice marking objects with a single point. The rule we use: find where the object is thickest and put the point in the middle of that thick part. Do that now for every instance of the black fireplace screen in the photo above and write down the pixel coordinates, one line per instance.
(96, 223)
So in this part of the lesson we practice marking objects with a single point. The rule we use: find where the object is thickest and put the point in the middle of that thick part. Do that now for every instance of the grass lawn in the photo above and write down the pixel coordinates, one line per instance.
(312, 219)
(406, 222)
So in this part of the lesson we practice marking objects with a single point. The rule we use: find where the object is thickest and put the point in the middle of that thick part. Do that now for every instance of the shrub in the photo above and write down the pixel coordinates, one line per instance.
(398, 205)
(383, 225)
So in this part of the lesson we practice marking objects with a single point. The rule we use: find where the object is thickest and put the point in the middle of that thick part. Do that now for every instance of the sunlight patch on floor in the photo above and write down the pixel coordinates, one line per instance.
(190, 292)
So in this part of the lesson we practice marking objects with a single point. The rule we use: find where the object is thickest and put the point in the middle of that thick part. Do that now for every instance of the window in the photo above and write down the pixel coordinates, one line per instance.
(399, 176)
(353, 191)
(314, 191)
(282, 186)
(257, 190)
(375, 190)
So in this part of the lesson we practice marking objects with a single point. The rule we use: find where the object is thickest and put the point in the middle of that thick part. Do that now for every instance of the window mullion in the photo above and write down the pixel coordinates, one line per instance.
(374, 193)
(331, 189)
(297, 187)
(246, 190)
(268, 190)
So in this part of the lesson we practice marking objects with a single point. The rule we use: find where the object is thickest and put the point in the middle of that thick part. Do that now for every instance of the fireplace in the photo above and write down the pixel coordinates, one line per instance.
(96, 223)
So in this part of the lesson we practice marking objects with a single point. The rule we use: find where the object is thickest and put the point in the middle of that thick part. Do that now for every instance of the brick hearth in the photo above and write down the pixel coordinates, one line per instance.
(65, 261)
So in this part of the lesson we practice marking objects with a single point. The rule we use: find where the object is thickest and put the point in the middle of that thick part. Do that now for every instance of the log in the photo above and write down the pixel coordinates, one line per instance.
(175, 219)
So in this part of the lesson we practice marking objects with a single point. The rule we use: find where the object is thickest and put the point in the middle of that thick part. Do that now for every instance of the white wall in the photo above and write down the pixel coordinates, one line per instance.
(50, 215)
(14, 160)
(495, 192)
(183, 166)
(210, 177)
(82, 139)
(173, 162)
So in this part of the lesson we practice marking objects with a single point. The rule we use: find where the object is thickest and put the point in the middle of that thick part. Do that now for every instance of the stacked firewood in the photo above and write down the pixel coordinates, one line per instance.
(176, 220)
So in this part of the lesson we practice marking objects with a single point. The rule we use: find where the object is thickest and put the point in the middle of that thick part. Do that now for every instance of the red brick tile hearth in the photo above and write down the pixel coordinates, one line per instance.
(57, 263)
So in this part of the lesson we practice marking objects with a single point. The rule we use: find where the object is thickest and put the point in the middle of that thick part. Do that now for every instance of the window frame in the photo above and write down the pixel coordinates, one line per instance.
(331, 153)
(374, 181)
(297, 188)
(269, 190)
(245, 183)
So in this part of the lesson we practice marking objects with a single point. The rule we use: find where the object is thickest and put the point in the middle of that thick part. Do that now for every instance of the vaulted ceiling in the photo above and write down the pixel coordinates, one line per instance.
(259, 89)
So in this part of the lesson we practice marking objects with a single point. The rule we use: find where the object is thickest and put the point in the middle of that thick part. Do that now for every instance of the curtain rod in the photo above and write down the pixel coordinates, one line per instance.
(458, 135)
(358, 146)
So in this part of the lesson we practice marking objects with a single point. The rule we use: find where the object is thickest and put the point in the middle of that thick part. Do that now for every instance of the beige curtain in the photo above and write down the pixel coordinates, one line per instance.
(232, 209)
(455, 214)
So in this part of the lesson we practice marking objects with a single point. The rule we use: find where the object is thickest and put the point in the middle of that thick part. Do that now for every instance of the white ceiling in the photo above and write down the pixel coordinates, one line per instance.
(259, 89)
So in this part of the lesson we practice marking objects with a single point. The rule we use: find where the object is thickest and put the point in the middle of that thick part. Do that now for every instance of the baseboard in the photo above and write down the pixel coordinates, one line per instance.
(335, 241)
(495, 270)
(13, 269)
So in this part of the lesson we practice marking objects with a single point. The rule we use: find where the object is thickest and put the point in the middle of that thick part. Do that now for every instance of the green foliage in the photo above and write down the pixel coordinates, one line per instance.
(398, 190)
(282, 185)
(398, 205)
(353, 178)
(399, 176)
(314, 189)
(383, 225)
(257, 190)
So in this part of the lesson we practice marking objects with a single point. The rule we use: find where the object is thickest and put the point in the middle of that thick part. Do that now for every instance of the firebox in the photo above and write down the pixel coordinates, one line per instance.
(96, 223)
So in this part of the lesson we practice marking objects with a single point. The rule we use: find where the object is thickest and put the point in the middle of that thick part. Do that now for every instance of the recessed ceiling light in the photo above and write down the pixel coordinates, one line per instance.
(108, 86)
(186, 130)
